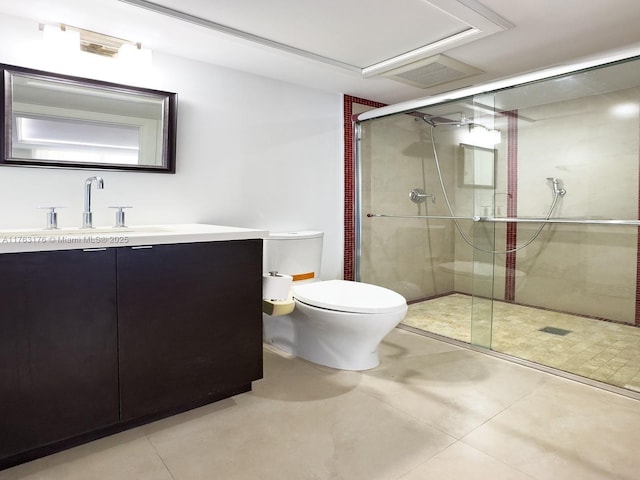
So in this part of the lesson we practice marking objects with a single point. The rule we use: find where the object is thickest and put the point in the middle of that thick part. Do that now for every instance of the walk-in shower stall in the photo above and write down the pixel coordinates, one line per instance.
(507, 215)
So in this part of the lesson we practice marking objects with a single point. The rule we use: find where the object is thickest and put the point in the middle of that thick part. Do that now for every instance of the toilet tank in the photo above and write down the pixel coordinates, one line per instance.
(298, 254)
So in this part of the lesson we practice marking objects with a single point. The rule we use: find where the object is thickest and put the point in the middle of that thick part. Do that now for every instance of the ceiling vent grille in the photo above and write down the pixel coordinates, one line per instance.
(431, 71)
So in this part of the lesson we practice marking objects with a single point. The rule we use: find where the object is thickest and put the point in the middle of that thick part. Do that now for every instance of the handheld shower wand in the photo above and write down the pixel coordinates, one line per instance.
(557, 189)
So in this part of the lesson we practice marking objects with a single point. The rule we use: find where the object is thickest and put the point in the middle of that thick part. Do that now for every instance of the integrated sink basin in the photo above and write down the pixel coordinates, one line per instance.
(33, 240)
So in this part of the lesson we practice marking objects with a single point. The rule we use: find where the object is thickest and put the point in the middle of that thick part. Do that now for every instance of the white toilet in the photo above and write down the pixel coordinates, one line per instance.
(335, 323)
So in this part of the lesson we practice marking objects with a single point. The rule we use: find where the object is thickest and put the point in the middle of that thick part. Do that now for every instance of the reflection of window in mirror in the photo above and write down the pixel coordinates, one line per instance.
(478, 166)
(63, 139)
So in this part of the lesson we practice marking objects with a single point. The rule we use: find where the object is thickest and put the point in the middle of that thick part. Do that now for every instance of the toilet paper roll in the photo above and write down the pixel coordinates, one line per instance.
(276, 287)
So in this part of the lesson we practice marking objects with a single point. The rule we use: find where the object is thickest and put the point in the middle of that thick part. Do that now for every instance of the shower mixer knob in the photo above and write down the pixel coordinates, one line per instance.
(418, 195)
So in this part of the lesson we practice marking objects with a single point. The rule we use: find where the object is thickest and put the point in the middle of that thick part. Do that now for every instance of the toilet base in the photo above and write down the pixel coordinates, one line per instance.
(323, 354)
(345, 341)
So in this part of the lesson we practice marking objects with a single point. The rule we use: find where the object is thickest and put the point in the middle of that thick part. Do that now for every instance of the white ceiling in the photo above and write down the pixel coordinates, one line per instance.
(342, 45)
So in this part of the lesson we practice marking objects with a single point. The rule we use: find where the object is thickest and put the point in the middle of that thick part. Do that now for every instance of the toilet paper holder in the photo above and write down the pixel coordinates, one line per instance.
(276, 299)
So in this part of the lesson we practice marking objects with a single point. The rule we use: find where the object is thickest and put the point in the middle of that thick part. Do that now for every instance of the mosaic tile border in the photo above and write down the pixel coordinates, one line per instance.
(512, 205)
(350, 182)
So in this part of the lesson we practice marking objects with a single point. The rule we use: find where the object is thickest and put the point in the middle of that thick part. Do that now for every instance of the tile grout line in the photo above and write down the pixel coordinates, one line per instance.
(173, 477)
(517, 401)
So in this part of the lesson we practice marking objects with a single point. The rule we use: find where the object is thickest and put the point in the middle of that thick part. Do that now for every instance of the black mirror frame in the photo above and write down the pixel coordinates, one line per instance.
(169, 123)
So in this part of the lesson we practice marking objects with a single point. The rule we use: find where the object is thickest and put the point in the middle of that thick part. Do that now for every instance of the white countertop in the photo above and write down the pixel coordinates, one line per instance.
(39, 240)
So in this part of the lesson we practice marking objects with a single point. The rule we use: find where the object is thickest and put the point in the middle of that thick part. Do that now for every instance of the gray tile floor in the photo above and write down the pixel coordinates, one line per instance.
(430, 410)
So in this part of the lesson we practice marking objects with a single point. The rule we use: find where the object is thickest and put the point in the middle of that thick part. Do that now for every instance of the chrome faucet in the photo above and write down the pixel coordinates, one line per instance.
(87, 220)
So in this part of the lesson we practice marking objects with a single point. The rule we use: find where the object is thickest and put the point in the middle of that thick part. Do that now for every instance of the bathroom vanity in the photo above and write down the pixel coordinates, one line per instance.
(104, 331)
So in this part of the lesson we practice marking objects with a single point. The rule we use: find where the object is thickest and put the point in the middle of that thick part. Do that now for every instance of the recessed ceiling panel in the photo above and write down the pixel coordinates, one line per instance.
(358, 33)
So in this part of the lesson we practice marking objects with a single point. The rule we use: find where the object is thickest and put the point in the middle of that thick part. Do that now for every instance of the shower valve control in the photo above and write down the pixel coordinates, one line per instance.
(418, 195)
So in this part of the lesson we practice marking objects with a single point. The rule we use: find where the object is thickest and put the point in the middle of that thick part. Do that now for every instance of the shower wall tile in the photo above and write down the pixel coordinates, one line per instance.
(583, 269)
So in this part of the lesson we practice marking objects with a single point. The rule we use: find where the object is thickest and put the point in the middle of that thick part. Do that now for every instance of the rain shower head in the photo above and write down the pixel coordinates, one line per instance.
(486, 134)
(437, 121)
(428, 120)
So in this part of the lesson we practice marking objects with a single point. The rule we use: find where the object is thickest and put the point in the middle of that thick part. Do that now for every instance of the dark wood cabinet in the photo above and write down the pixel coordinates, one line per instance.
(190, 323)
(58, 347)
(94, 342)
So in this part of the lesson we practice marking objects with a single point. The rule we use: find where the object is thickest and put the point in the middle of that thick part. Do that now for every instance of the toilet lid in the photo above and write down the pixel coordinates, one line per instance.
(346, 296)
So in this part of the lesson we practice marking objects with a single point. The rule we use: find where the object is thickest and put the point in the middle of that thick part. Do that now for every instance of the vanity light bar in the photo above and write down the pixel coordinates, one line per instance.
(97, 43)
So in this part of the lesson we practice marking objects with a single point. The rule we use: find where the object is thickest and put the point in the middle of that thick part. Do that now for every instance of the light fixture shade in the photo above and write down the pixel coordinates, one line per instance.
(135, 55)
(63, 40)
(482, 135)
(496, 137)
(59, 39)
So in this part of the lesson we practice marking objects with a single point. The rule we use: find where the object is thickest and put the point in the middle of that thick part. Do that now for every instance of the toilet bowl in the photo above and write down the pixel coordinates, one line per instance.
(335, 323)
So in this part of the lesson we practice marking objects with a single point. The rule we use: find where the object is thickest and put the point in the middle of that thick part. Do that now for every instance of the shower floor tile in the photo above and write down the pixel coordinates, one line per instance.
(598, 350)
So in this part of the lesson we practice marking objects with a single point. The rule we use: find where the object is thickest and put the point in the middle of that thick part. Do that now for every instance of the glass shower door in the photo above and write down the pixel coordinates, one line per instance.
(536, 256)
(408, 240)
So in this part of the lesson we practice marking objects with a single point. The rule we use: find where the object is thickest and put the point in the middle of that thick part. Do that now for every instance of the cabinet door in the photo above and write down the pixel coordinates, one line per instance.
(58, 347)
(190, 323)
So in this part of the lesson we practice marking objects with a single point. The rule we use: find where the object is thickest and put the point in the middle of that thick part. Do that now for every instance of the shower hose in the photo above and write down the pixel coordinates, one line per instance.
(557, 193)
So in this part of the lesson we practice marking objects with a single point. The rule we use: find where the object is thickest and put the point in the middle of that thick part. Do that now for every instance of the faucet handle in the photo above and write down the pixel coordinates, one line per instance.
(120, 216)
(52, 217)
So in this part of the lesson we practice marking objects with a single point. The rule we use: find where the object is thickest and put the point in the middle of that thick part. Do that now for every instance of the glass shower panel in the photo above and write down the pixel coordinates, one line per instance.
(400, 184)
(572, 305)
(483, 177)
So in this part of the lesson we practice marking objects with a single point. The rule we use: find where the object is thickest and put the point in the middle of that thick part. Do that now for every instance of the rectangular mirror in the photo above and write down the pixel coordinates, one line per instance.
(53, 120)
(478, 166)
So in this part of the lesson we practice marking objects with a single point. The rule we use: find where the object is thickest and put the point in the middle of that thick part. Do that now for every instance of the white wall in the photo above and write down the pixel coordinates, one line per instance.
(252, 152)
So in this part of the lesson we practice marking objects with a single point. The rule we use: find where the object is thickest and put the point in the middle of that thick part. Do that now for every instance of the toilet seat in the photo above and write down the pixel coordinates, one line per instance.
(347, 296)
